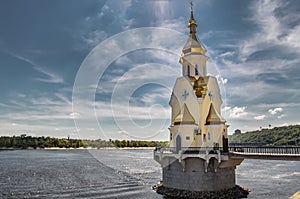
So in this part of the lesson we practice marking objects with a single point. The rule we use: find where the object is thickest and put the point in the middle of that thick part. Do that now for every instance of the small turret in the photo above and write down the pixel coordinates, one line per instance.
(193, 58)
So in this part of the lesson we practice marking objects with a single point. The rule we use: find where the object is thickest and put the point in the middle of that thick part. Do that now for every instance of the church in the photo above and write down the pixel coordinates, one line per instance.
(197, 163)
(196, 100)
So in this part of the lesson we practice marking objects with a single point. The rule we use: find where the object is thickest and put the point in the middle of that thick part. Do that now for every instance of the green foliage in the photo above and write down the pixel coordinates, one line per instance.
(286, 135)
(24, 142)
(138, 143)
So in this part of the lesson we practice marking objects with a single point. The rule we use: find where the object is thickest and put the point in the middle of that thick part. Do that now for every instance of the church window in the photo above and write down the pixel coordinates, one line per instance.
(197, 131)
(188, 70)
(208, 136)
(187, 138)
(204, 137)
(196, 70)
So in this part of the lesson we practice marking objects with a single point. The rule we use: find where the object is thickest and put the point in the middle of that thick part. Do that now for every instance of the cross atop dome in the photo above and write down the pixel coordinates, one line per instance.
(193, 44)
(191, 2)
(192, 22)
(193, 57)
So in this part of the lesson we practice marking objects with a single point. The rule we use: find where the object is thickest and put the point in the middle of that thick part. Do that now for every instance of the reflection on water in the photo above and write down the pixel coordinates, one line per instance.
(120, 174)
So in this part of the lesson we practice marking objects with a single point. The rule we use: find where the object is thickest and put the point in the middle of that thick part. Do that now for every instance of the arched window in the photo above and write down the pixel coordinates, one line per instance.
(188, 70)
(178, 143)
(196, 70)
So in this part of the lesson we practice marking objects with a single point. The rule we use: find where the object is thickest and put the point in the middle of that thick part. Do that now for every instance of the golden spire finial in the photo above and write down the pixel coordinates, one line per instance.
(192, 22)
(192, 12)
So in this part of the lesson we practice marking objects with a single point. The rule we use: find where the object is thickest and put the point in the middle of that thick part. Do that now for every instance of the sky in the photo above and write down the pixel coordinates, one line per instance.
(105, 69)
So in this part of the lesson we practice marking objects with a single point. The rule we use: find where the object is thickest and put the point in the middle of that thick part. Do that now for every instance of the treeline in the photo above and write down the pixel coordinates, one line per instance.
(278, 136)
(136, 143)
(24, 142)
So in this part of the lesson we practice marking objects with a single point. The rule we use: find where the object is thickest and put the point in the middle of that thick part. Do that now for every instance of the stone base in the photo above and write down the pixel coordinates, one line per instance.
(232, 193)
(194, 174)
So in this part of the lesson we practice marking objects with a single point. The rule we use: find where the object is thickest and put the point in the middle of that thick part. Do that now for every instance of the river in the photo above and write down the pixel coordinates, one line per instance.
(121, 174)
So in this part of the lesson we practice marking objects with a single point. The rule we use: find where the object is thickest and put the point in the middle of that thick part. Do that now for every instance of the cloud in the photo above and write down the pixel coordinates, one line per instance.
(74, 115)
(292, 38)
(161, 9)
(54, 108)
(283, 104)
(259, 68)
(267, 59)
(21, 95)
(95, 37)
(175, 24)
(50, 77)
(227, 108)
(5, 105)
(156, 96)
(269, 25)
(227, 54)
(275, 110)
(8, 128)
(111, 117)
(276, 25)
(281, 116)
(110, 19)
(63, 98)
(123, 132)
(221, 80)
(260, 117)
(22, 58)
(237, 112)
(124, 111)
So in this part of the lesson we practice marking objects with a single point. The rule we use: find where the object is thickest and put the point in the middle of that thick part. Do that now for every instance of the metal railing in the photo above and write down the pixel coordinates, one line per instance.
(282, 150)
(189, 150)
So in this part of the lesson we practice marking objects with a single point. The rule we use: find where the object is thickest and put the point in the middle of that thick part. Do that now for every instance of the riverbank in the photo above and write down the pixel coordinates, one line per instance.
(101, 148)
(81, 148)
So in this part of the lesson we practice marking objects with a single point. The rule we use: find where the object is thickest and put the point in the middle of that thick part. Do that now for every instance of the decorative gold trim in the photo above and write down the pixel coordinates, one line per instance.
(198, 50)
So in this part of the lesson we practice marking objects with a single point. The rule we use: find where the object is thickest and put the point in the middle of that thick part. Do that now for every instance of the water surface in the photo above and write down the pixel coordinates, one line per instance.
(120, 174)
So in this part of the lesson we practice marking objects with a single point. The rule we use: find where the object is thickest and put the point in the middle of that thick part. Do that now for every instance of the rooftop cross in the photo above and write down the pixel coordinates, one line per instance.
(192, 14)
(192, 22)
(184, 95)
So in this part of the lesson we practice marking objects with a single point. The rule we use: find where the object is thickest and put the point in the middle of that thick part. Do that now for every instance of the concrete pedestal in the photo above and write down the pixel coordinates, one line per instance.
(193, 174)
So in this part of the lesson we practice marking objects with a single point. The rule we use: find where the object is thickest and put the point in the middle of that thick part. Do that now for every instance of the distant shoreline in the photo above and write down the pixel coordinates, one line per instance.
(28, 142)
(80, 148)
(101, 148)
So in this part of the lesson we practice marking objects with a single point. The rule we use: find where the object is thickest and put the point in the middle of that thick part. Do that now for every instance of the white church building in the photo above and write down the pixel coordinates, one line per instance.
(197, 158)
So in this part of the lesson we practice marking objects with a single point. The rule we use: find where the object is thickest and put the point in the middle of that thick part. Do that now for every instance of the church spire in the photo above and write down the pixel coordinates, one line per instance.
(193, 58)
(192, 22)
(192, 14)
(193, 45)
